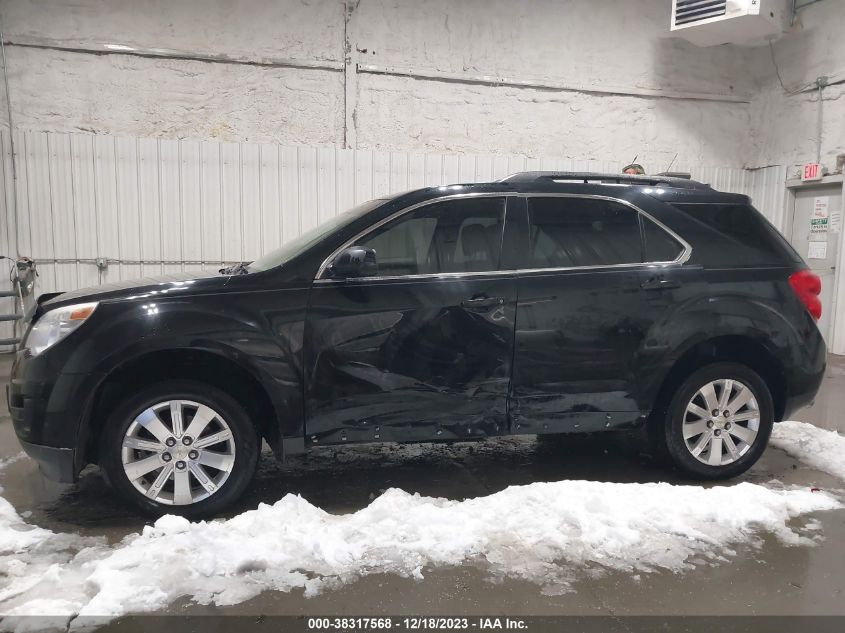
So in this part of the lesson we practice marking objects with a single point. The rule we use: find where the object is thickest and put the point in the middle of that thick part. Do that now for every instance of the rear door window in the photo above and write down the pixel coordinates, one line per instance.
(570, 232)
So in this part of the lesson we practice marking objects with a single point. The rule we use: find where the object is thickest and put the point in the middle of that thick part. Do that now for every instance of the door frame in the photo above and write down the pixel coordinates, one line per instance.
(836, 335)
(369, 432)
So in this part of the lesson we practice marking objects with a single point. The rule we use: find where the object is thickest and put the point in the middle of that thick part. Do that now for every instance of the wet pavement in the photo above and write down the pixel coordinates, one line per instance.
(772, 579)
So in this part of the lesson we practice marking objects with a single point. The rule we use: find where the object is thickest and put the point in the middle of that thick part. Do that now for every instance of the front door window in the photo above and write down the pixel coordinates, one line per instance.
(453, 236)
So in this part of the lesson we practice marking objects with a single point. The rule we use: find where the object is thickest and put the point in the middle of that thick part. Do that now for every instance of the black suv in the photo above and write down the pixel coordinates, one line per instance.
(544, 303)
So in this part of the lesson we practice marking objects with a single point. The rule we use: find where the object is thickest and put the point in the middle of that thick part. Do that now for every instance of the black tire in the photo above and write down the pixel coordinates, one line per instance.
(245, 439)
(672, 441)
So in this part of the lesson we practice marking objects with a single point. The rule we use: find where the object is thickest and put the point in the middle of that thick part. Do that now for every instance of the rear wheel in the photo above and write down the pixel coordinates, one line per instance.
(719, 421)
(179, 447)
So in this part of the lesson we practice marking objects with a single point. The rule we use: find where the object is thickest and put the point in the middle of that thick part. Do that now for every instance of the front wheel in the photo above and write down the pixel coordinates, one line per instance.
(719, 421)
(179, 447)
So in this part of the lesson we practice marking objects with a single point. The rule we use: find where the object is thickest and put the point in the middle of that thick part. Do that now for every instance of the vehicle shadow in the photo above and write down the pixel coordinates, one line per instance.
(347, 478)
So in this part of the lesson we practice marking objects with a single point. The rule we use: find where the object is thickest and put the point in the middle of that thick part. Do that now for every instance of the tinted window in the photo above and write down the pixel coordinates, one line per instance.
(659, 245)
(567, 232)
(734, 234)
(455, 236)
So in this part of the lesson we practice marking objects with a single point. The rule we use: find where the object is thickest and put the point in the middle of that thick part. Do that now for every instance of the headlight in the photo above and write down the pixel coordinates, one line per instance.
(57, 324)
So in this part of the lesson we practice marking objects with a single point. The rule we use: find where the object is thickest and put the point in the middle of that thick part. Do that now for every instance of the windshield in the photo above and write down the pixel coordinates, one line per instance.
(300, 244)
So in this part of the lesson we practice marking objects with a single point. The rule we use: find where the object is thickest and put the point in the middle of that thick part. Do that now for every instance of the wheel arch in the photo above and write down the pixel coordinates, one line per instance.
(207, 366)
(734, 348)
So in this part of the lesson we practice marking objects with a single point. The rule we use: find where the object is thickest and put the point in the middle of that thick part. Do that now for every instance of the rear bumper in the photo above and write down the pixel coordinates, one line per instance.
(801, 394)
(805, 374)
(58, 464)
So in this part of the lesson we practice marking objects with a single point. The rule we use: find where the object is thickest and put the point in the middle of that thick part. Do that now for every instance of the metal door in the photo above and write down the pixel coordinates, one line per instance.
(420, 352)
(816, 224)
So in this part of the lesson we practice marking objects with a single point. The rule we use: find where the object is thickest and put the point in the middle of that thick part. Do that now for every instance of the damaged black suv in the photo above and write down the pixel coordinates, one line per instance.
(544, 303)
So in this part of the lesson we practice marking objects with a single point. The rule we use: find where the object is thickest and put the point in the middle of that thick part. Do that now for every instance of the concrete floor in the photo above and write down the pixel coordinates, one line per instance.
(773, 580)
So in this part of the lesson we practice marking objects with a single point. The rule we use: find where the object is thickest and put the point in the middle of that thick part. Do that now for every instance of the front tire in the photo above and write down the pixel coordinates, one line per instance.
(719, 421)
(179, 447)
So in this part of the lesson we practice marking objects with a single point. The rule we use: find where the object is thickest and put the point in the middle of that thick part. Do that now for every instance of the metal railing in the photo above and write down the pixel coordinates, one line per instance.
(21, 286)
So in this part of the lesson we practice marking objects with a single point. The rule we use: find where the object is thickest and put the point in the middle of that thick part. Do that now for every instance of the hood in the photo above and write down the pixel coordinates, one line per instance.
(136, 288)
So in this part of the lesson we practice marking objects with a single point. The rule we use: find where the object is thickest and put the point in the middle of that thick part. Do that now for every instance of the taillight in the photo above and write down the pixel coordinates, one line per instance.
(808, 287)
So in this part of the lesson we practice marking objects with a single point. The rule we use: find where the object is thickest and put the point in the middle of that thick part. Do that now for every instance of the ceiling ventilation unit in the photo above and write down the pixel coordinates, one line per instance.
(714, 22)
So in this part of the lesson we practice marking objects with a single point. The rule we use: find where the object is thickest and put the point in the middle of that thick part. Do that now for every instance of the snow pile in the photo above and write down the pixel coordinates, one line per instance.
(819, 448)
(548, 533)
(31, 558)
(5, 463)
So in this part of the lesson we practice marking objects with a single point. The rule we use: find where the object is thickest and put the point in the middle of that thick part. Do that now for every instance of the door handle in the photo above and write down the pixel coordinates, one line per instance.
(659, 283)
(482, 303)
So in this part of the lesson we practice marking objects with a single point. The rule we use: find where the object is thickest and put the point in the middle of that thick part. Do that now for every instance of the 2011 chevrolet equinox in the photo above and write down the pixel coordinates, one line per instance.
(544, 303)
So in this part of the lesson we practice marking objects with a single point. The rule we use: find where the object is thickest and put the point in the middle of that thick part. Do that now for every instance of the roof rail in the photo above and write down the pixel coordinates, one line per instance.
(615, 179)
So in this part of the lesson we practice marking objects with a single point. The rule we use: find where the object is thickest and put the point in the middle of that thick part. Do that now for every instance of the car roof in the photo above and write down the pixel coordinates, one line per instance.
(666, 188)
(658, 180)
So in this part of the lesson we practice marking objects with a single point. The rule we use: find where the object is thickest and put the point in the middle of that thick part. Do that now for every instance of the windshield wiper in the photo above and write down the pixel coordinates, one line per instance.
(235, 269)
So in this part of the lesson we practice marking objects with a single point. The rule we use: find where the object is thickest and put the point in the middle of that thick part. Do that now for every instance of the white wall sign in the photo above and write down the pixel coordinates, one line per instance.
(820, 219)
(818, 250)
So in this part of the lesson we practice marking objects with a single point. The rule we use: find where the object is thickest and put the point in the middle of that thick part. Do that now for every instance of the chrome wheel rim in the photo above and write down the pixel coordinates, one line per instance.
(178, 452)
(721, 422)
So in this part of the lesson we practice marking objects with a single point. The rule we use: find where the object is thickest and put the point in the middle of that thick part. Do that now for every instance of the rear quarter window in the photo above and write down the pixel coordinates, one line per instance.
(659, 245)
(734, 235)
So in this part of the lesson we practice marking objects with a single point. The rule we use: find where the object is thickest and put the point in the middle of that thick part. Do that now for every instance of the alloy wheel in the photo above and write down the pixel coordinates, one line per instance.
(178, 452)
(721, 422)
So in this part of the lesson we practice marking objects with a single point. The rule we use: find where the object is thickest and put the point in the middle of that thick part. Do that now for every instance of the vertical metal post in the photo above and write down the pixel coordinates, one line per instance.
(350, 77)
(11, 141)
(821, 82)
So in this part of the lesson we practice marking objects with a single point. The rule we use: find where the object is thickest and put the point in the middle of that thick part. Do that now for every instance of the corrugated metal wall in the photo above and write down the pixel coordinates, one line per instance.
(152, 205)
(8, 246)
(768, 191)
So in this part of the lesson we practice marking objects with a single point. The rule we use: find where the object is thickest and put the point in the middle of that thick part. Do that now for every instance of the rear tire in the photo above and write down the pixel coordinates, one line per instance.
(718, 422)
(179, 447)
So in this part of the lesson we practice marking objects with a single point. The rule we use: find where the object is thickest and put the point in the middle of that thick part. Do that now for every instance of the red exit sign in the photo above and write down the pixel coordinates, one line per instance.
(812, 171)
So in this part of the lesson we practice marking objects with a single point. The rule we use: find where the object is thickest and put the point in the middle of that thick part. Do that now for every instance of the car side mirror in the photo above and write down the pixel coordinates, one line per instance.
(355, 261)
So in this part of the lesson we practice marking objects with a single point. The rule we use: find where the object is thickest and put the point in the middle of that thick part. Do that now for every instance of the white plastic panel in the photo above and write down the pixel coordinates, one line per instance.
(153, 205)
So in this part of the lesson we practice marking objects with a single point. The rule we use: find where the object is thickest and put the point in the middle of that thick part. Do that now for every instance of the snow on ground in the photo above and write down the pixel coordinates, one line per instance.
(8, 461)
(547, 533)
(819, 448)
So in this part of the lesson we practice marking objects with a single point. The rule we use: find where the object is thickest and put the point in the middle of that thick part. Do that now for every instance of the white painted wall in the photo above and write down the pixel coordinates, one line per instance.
(134, 96)
(300, 72)
(594, 45)
(784, 126)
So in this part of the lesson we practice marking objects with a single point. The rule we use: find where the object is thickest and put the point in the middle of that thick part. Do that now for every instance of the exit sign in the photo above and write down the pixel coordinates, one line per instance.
(812, 171)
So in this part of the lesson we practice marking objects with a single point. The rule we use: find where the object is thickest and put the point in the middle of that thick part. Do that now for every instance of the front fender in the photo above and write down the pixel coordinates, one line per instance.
(258, 335)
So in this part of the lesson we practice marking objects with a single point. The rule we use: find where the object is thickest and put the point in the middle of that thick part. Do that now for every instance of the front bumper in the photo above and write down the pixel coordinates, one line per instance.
(49, 410)
(58, 464)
